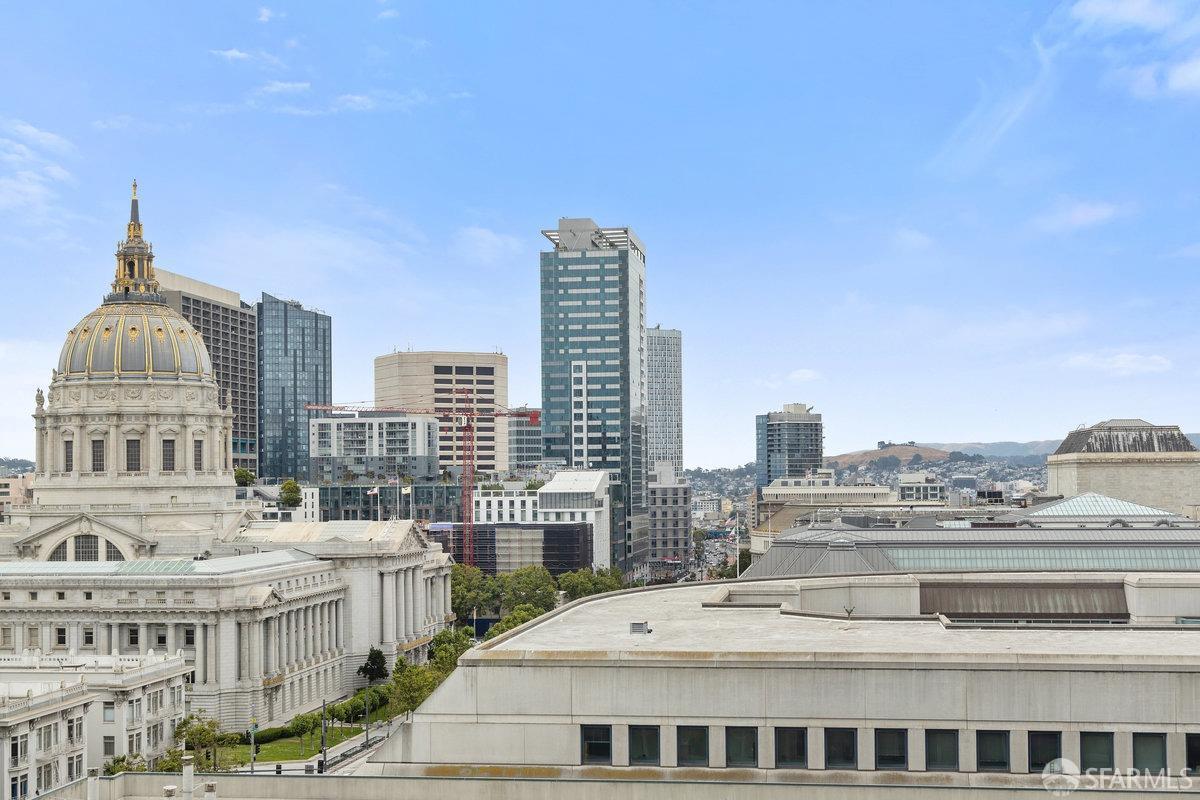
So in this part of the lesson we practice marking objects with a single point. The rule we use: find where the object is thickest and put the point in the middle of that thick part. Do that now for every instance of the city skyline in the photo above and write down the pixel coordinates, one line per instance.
(1006, 209)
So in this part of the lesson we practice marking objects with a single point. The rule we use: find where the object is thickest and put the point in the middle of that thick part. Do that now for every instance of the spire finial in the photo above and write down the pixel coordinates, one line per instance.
(135, 188)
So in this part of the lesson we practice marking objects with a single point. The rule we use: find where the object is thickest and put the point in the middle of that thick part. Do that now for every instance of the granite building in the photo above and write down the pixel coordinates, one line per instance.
(1156, 465)
(229, 328)
(295, 367)
(593, 296)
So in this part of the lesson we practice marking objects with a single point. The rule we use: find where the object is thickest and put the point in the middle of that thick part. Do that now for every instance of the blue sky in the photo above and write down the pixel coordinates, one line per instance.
(934, 221)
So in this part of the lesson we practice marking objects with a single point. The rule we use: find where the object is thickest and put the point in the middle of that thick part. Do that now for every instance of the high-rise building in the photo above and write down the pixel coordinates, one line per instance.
(593, 291)
(524, 443)
(447, 382)
(790, 443)
(372, 446)
(295, 367)
(664, 396)
(229, 328)
(670, 500)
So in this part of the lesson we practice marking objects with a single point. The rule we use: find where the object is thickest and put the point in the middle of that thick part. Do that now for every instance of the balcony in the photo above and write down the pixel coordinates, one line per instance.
(75, 742)
(16, 762)
(50, 753)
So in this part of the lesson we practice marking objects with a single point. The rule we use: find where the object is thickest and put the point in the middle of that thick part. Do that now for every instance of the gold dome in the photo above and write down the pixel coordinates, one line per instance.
(146, 340)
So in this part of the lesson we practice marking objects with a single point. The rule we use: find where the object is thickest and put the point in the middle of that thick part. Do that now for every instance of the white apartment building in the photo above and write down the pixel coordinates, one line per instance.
(664, 397)
(571, 496)
(920, 487)
(369, 445)
(449, 381)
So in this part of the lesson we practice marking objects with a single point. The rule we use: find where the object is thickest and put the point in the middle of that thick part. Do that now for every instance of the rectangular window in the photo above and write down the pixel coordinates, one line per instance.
(741, 747)
(168, 455)
(1095, 751)
(841, 748)
(97, 455)
(643, 744)
(68, 456)
(791, 748)
(596, 744)
(1150, 753)
(1192, 751)
(891, 748)
(134, 636)
(60, 637)
(189, 637)
(941, 750)
(692, 745)
(1044, 747)
(110, 745)
(110, 712)
(991, 751)
(133, 455)
(198, 455)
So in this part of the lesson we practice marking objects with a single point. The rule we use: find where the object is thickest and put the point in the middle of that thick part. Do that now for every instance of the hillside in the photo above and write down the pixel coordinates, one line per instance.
(1041, 447)
(904, 452)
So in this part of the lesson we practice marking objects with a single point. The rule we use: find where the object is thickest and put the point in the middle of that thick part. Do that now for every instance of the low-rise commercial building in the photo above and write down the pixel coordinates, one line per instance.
(920, 487)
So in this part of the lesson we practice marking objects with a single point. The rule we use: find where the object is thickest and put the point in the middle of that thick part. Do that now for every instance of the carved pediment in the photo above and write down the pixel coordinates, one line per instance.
(43, 542)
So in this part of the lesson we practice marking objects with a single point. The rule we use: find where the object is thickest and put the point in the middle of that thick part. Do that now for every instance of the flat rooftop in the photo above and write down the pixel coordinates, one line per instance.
(690, 624)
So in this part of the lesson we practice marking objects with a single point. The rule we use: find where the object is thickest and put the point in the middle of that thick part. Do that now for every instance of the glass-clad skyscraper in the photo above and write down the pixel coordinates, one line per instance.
(295, 367)
(789, 443)
(593, 287)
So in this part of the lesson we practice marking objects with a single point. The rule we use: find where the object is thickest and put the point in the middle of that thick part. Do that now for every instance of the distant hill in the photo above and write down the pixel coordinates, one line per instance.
(1042, 447)
(904, 452)
(15, 466)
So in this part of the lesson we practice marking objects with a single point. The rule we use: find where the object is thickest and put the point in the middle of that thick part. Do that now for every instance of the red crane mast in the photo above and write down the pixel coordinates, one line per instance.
(466, 426)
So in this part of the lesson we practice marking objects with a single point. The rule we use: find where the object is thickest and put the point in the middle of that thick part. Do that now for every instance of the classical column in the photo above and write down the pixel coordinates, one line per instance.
(171, 643)
(227, 633)
(406, 588)
(143, 638)
(152, 455)
(340, 624)
(256, 650)
(201, 659)
(389, 610)
(114, 449)
(243, 650)
(77, 452)
(448, 603)
(211, 670)
(398, 588)
(40, 453)
(326, 628)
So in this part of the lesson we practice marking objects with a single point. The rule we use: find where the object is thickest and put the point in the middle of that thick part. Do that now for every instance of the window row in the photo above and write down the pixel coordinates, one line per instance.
(133, 455)
(841, 746)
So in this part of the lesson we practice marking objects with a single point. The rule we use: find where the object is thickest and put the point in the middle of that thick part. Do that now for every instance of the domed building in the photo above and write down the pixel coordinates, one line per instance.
(133, 436)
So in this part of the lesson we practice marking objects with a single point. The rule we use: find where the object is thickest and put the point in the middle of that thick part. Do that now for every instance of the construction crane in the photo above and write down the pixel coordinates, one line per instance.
(466, 427)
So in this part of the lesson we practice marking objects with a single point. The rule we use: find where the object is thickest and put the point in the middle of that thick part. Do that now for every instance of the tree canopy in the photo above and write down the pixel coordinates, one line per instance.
(532, 586)
(289, 494)
(518, 616)
(375, 667)
(585, 582)
(472, 590)
(243, 476)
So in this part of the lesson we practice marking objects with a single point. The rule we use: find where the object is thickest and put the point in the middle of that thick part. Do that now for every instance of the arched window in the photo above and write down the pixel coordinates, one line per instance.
(129, 268)
(87, 547)
(60, 552)
(111, 553)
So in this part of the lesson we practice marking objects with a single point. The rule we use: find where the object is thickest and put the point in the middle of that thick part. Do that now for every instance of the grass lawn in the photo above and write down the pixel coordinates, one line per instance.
(287, 749)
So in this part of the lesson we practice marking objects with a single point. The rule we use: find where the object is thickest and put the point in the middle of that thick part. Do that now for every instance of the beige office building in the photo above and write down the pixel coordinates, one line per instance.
(431, 379)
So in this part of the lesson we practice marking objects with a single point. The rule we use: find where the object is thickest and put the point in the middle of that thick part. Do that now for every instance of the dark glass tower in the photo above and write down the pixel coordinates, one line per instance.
(295, 367)
(593, 287)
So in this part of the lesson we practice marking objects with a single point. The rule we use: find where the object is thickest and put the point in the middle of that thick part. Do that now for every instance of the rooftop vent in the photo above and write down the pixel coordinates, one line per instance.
(640, 627)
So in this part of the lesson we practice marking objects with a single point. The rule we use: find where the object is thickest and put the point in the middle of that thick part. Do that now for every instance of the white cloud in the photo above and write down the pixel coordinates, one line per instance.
(803, 375)
(1015, 328)
(117, 122)
(30, 172)
(285, 87)
(354, 102)
(38, 137)
(1184, 77)
(907, 238)
(485, 247)
(266, 15)
(1119, 365)
(232, 54)
(1149, 15)
(388, 13)
(1072, 215)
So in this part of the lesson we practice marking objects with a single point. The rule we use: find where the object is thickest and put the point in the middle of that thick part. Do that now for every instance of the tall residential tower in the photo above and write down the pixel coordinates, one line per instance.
(664, 397)
(790, 443)
(230, 330)
(295, 367)
(593, 287)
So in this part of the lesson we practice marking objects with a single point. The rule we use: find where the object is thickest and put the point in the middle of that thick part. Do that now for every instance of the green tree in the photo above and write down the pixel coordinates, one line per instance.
(201, 736)
(533, 484)
(375, 667)
(412, 684)
(170, 761)
(518, 616)
(917, 458)
(585, 582)
(529, 586)
(446, 647)
(243, 476)
(130, 763)
(472, 590)
(289, 494)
